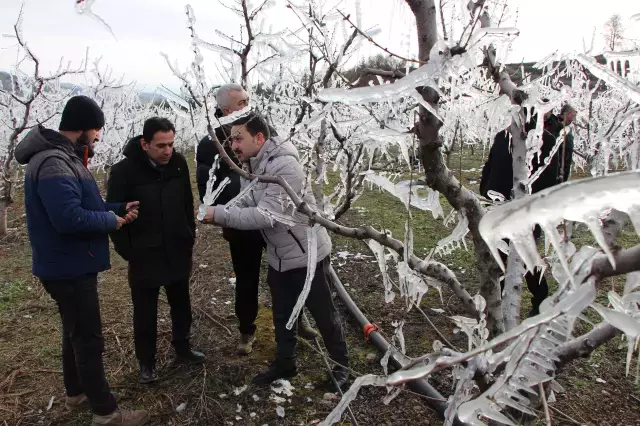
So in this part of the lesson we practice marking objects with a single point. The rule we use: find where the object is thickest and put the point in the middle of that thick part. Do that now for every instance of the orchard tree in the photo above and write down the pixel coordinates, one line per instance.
(613, 32)
(508, 356)
(30, 100)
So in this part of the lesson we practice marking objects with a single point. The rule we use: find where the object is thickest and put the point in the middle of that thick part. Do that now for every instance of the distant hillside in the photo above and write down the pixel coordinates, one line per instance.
(6, 80)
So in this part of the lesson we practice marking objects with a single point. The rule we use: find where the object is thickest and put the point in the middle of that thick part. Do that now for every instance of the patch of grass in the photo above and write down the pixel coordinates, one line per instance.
(10, 292)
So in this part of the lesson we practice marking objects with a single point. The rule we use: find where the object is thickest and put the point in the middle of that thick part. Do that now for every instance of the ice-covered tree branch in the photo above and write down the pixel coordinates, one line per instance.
(434, 270)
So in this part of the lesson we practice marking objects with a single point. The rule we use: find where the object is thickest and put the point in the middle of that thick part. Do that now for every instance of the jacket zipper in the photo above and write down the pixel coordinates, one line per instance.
(275, 249)
(297, 241)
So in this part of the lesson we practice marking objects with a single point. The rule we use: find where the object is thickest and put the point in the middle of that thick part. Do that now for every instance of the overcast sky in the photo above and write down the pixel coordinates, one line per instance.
(143, 28)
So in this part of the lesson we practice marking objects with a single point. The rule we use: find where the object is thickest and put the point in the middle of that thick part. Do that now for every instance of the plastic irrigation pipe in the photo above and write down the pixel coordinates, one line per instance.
(421, 386)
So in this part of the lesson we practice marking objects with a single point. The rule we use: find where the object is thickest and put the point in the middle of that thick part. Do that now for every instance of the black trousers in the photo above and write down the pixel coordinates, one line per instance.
(145, 318)
(246, 255)
(536, 282)
(82, 341)
(285, 289)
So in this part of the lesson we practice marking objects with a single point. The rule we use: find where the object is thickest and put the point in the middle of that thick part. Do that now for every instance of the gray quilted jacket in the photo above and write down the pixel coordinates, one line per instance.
(286, 244)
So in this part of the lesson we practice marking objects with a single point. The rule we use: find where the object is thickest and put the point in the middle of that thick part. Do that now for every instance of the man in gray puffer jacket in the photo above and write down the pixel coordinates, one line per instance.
(268, 208)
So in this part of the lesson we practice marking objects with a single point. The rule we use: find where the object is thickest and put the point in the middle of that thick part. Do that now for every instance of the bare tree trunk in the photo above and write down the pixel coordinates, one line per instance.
(512, 294)
(440, 178)
(4, 205)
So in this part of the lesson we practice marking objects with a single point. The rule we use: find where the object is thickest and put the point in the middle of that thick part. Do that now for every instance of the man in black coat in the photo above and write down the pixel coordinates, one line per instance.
(159, 245)
(497, 175)
(245, 246)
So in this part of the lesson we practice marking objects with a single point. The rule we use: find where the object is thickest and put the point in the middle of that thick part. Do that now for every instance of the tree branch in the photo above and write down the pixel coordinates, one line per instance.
(431, 269)
(372, 41)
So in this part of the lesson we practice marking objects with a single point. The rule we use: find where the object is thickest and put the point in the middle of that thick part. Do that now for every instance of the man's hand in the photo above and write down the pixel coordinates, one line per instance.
(208, 218)
(132, 211)
(121, 222)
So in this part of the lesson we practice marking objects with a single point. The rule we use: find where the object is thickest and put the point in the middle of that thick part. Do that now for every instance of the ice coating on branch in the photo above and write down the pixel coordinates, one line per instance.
(449, 244)
(350, 395)
(401, 190)
(426, 75)
(609, 77)
(277, 217)
(625, 314)
(212, 180)
(580, 201)
(246, 191)
(216, 193)
(411, 284)
(83, 7)
(378, 250)
(312, 260)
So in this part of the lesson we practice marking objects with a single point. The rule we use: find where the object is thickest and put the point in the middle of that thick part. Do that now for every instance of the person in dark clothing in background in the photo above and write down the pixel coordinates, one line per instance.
(567, 115)
(550, 176)
(68, 223)
(159, 245)
(246, 246)
(497, 175)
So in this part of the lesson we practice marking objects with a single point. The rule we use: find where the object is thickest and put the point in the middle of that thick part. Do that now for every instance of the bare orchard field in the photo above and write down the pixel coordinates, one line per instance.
(597, 391)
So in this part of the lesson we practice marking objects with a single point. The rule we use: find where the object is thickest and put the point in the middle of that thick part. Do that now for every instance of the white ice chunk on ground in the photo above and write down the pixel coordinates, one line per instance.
(239, 390)
(282, 386)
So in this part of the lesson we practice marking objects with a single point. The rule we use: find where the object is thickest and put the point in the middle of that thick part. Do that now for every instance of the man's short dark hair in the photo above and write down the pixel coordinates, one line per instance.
(154, 125)
(566, 108)
(255, 124)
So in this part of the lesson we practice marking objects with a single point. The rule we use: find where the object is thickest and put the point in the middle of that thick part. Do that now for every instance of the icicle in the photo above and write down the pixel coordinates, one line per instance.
(238, 198)
(278, 217)
(578, 201)
(378, 251)
(312, 260)
(448, 244)
(350, 395)
(83, 7)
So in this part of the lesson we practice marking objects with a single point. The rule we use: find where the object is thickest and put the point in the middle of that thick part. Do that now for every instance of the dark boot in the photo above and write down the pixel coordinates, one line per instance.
(189, 356)
(277, 370)
(148, 373)
(341, 374)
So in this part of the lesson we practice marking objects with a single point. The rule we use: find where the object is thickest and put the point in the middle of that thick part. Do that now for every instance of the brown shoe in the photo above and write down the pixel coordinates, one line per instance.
(122, 418)
(78, 402)
(81, 402)
(246, 344)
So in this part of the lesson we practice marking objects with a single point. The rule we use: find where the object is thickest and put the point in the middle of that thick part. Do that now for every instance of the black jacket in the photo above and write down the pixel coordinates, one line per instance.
(497, 173)
(159, 244)
(551, 174)
(205, 156)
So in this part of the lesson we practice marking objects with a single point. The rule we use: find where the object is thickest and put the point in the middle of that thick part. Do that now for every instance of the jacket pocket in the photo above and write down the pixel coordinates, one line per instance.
(296, 240)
